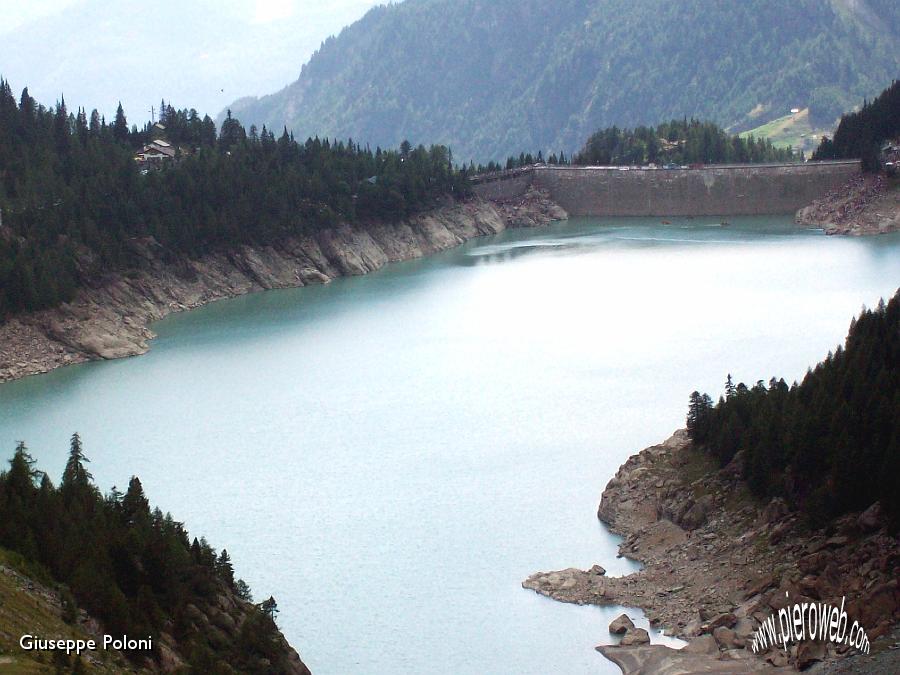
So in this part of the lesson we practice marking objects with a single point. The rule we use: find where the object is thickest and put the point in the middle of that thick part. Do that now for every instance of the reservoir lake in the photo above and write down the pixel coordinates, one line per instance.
(390, 456)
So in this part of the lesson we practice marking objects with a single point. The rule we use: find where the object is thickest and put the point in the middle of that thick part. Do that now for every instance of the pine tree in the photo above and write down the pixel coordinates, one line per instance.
(730, 389)
(135, 506)
(269, 607)
(224, 567)
(75, 474)
(120, 125)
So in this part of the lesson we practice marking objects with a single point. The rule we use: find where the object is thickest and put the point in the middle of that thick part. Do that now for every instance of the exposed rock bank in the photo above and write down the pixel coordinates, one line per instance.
(867, 204)
(111, 319)
(533, 209)
(717, 563)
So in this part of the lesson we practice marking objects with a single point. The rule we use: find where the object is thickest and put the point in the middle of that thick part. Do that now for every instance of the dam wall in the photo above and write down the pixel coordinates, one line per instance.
(504, 185)
(720, 190)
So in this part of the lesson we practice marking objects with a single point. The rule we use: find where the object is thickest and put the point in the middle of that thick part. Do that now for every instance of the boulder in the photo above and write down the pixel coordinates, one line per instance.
(814, 563)
(621, 625)
(774, 511)
(697, 515)
(779, 532)
(705, 644)
(635, 636)
(726, 619)
(724, 637)
(169, 661)
(744, 628)
(808, 653)
(763, 583)
(882, 601)
(870, 519)
(778, 659)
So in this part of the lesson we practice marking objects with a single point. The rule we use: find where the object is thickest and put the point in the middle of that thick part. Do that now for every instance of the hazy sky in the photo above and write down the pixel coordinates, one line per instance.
(196, 53)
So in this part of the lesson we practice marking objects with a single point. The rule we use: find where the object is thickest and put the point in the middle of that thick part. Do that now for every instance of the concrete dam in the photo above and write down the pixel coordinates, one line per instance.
(715, 190)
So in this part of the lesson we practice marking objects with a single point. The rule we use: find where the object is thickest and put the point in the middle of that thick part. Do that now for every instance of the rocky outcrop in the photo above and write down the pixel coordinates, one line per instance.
(111, 318)
(717, 562)
(662, 660)
(867, 204)
(533, 209)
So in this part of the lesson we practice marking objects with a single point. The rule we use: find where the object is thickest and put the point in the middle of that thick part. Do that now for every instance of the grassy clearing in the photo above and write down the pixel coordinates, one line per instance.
(794, 130)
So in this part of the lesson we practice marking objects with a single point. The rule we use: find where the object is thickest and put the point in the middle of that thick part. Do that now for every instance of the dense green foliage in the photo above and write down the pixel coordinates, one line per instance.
(132, 568)
(73, 198)
(828, 445)
(492, 78)
(677, 142)
(861, 133)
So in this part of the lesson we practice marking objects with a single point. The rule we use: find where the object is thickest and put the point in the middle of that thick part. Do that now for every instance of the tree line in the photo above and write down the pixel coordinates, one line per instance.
(522, 160)
(860, 134)
(680, 142)
(133, 568)
(829, 445)
(72, 198)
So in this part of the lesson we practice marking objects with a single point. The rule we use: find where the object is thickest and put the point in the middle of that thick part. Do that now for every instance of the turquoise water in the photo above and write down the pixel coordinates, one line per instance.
(391, 455)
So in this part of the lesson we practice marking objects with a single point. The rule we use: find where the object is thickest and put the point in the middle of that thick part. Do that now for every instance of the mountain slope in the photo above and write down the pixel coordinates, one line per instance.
(494, 78)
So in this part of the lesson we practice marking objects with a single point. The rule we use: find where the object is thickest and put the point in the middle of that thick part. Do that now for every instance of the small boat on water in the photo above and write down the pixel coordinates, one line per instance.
(666, 222)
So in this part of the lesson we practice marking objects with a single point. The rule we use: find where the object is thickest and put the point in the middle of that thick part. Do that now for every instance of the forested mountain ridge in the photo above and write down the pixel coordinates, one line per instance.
(491, 78)
(73, 199)
(136, 571)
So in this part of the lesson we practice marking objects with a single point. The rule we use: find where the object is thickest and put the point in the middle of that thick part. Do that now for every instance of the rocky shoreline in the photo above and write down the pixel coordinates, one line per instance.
(717, 563)
(111, 318)
(867, 204)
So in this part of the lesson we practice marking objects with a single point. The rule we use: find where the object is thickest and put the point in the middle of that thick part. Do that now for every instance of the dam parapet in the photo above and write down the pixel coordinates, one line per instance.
(720, 190)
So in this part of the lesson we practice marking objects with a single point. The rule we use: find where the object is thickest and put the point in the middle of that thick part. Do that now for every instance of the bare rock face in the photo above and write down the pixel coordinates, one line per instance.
(621, 625)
